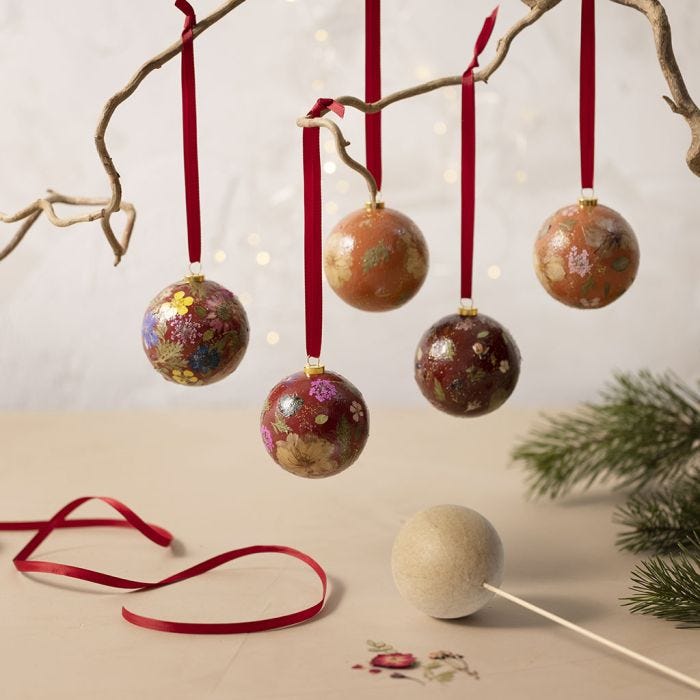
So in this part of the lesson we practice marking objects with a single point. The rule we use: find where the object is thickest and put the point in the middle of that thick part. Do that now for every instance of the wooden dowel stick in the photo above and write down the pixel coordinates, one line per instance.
(692, 682)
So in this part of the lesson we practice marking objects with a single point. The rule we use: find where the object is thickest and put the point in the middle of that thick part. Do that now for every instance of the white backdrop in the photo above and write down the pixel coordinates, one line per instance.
(71, 322)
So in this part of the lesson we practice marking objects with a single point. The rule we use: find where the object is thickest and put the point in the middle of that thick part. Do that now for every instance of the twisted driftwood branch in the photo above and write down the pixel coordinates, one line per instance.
(109, 206)
(680, 102)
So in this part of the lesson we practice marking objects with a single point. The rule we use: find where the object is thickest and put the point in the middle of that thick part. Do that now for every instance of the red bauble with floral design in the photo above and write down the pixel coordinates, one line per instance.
(195, 332)
(314, 425)
(467, 365)
(376, 259)
(586, 255)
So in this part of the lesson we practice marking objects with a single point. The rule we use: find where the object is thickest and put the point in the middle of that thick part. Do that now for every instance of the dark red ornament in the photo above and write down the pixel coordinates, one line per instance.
(467, 365)
(195, 332)
(314, 423)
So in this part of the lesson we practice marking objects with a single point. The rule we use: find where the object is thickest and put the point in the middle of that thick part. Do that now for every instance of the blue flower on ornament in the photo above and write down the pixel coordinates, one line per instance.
(148, 330)
(204, 359)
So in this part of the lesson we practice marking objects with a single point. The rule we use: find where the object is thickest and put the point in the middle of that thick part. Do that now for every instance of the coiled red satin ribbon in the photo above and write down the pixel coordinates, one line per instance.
(163, 538)
(587, 93)
(313, 289)
(373, 89)
(189, 134)
(469, 158)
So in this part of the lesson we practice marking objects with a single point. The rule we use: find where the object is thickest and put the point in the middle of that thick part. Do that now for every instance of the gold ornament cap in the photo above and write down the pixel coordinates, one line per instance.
(377, 205)
(467, 311)
(311, 370)
(588, 202)
(194, 278)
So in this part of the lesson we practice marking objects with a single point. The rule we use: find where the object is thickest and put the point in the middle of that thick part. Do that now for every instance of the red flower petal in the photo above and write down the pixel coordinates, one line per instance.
(375, 670)
(394, 660)
(358, 666)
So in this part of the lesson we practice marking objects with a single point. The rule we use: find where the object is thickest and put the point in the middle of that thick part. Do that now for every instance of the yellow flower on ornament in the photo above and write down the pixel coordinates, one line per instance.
(306, 456)
(184, 377)
(180, 303)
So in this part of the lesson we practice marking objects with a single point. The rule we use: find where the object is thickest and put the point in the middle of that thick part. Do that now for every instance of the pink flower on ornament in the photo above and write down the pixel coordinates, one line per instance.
(267, 437)
(322, 390)
(187, 331)
(220, 316)
(578, 262)
(394, 660)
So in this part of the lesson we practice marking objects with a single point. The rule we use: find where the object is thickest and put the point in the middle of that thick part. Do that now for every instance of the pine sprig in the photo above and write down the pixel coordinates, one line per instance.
(662, 520)
(669, 588)
(645, 430)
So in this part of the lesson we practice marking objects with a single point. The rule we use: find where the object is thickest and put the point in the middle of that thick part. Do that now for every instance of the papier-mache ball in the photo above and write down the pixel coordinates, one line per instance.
(376, 259)
(442, 557)
(195, 332)
(586, 255)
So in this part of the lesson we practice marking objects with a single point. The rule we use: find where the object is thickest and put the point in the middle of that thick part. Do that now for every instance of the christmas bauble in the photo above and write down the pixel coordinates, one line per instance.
(586, 255)
(195, 332)
(442, 557)
(467, 365)
(376, 259)
(314, 423)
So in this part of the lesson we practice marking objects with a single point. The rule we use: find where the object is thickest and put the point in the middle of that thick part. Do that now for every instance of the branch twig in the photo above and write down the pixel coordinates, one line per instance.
(119, 245)
(680, 101)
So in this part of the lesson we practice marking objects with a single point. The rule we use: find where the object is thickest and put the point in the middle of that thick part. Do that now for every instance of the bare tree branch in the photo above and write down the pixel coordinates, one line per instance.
(680, 102)
(119, 245)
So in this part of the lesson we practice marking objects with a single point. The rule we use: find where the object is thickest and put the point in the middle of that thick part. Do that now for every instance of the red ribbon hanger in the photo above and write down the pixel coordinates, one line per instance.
(313, 288)
(163, 538)
(373, 89)
(189, 134)
(587, 93)
(469, 158)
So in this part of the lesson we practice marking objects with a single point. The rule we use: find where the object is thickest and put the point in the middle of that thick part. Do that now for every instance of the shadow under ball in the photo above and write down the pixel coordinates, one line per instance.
(467, 365)
(376, 259)
(314, 424)
(586, 255)
(442, 557)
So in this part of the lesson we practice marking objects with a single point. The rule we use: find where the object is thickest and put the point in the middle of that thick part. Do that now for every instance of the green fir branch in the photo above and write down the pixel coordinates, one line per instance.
(662, 520)
(644, 431)
(669, 588)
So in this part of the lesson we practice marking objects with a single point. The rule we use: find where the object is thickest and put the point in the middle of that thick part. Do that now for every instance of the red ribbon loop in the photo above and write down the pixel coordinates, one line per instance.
(189, 134)
(373, 89)
(313, 282)
(587, 93)
(469, 159)
(162, 538)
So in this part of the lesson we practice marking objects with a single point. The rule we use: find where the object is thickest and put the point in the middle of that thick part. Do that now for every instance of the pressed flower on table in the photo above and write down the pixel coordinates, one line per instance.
(394, 660)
